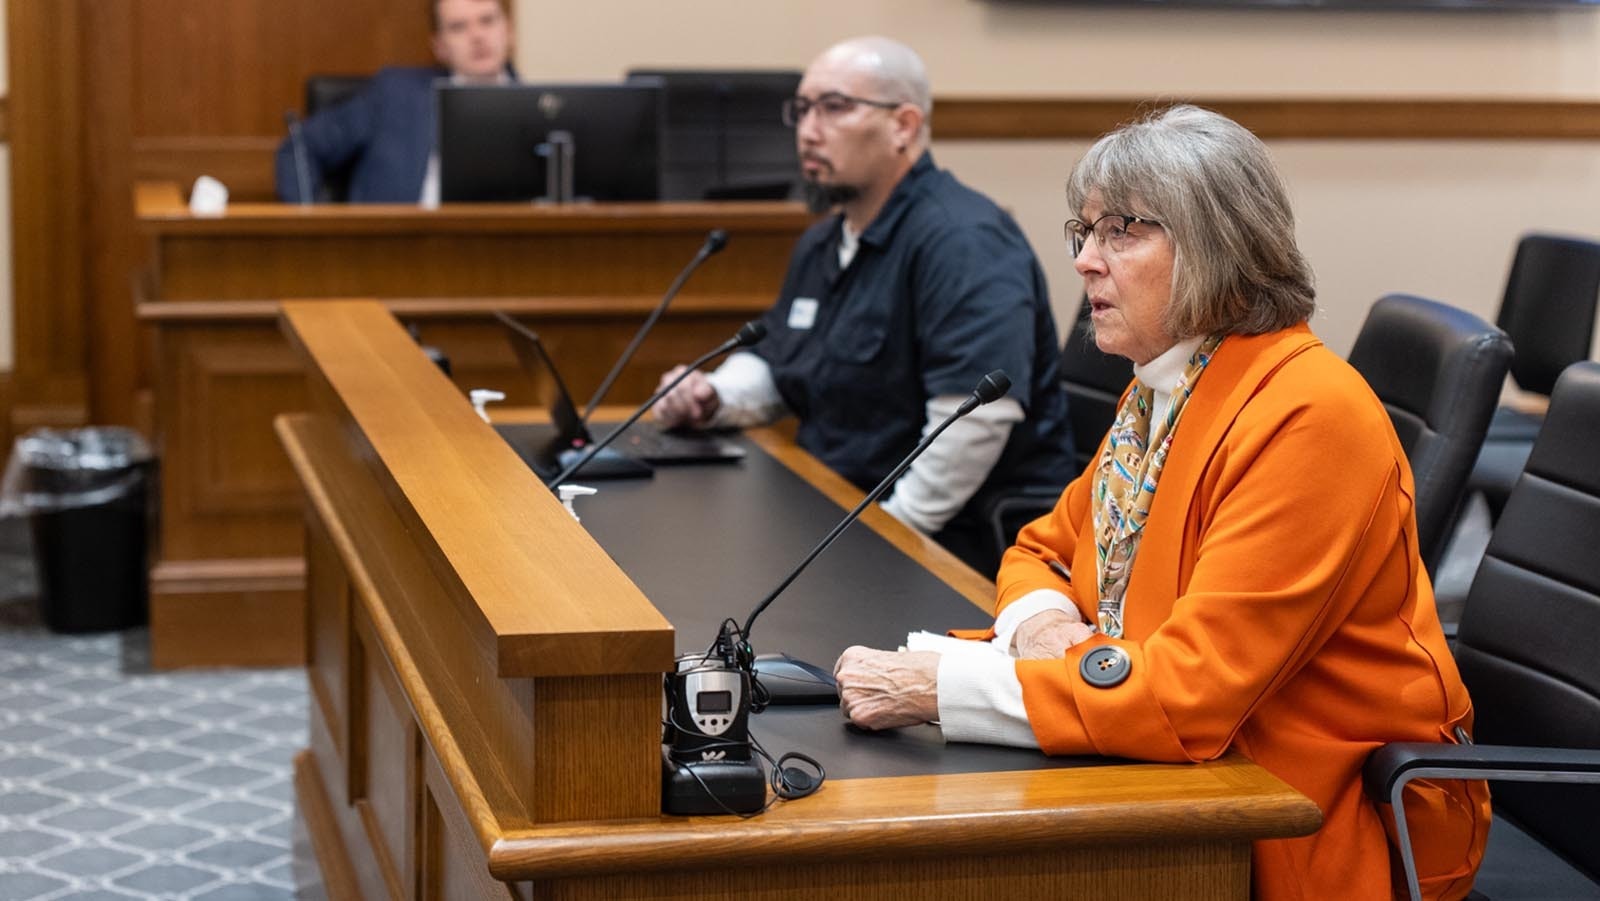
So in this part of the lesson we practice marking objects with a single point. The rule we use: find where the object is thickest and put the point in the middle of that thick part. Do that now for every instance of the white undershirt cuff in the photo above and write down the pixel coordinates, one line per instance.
(980, 700)
(747, 393)
(952, 469)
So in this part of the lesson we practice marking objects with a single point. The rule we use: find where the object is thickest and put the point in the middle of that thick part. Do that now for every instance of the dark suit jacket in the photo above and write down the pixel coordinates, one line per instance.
(386, 132)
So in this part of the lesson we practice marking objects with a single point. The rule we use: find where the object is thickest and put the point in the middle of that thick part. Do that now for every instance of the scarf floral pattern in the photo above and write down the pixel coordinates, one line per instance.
(1130, 468)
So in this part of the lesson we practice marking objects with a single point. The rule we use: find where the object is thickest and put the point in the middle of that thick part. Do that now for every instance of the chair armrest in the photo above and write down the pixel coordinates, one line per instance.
(1393, 766)
(1029, 502)
(1399, 762)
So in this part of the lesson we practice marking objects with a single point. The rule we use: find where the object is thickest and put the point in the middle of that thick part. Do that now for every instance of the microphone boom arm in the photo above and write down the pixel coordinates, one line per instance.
(751, 333)
(715, 241)
(302, 165)
(993, 386)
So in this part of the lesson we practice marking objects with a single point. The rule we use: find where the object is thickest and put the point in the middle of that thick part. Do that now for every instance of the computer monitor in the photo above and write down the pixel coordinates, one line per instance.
(725, 137)
(491, 139)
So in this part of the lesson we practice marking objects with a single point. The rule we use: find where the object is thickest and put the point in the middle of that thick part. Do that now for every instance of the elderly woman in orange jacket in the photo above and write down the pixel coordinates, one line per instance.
(1240, 570)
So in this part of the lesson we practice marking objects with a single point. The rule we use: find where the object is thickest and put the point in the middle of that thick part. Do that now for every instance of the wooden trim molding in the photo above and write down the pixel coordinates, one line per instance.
(1045, 118)
(5, 120)
(206, 312)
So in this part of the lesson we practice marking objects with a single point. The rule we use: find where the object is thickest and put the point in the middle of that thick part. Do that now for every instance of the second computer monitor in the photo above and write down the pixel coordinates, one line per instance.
(495, 141)
(725, 137)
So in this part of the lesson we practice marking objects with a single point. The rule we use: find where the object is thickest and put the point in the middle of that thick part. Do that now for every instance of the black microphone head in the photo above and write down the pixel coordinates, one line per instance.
(753, 331)
(993, 386)
(715, 241)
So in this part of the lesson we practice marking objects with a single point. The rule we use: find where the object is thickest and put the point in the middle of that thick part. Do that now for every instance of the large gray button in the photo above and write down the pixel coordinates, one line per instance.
(1105, 666)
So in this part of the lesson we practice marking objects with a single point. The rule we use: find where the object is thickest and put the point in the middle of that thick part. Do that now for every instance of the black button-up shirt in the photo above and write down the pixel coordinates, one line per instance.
(942, 289)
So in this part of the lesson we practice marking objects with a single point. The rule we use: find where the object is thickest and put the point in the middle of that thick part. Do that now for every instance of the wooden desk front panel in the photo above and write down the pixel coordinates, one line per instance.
(221, 266)
(1170, 871)
(392, 661)
(228, 491)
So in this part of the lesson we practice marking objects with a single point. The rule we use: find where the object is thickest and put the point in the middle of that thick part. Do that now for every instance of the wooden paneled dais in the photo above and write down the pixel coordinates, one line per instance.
(584, 276)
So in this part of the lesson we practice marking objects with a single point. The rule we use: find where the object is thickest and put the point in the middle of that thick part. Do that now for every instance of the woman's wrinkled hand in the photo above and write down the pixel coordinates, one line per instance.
(888, 689)
(1048, 634)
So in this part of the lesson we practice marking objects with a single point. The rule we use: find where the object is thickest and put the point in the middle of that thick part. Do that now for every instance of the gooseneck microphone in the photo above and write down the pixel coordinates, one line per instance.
(748, 334)
(707, 766)
(302, 165)
(990, 388)
(715, 241)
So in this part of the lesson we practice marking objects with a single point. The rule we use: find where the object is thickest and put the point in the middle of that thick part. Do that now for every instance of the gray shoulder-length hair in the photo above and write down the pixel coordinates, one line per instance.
(1213, 187)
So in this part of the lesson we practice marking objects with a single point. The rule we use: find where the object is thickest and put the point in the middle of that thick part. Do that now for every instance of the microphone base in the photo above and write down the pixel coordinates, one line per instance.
(711, 787)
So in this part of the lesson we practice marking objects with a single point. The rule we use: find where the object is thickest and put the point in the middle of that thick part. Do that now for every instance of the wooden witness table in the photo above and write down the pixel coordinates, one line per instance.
(486, 695)
(227, 587)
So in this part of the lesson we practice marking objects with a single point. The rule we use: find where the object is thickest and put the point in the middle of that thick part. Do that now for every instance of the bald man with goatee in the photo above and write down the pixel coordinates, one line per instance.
(893, 308)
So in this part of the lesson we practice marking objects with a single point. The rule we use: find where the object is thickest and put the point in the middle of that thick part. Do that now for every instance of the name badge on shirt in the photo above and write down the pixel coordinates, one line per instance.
(802, 313)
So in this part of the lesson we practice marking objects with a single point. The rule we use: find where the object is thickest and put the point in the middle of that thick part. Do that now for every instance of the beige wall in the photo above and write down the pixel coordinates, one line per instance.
(1433, 218)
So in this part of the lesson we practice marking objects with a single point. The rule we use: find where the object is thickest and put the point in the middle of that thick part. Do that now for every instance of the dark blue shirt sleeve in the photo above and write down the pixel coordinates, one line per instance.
(975, 288)
(332, 138)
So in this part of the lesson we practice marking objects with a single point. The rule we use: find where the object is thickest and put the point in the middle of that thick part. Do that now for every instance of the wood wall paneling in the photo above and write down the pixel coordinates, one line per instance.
(232, 69)
(48, 207)
(112, 246)
(103, 92)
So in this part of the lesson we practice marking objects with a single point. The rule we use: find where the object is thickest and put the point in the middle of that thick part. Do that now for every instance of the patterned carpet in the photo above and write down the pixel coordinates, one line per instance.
(116, 782)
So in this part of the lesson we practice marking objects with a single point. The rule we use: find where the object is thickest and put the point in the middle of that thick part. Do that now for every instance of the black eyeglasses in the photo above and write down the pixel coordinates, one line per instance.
(829, 106)
(1110, 232)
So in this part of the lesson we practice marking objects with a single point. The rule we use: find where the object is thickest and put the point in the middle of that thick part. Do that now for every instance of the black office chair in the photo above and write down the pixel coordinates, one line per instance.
(325, 92)
(1438, 371)
(1093, 381)
(1549, 311)
(1526, 650)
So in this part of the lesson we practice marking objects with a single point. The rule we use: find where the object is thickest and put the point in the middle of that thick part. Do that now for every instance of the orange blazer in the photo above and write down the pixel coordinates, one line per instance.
(1277, 605)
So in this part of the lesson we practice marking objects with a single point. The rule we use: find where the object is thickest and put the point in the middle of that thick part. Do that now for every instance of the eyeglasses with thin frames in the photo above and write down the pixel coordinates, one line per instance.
(829, 106)
(1110, 232)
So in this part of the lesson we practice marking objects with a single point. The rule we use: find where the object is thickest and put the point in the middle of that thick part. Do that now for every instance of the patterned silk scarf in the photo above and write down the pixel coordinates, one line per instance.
(1129, 471)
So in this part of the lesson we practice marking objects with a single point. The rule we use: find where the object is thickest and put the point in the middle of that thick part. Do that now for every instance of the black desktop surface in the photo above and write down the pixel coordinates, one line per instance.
(705, 543)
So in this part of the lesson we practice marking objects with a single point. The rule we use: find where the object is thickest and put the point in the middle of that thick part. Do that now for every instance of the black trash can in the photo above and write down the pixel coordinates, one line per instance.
(87, 495)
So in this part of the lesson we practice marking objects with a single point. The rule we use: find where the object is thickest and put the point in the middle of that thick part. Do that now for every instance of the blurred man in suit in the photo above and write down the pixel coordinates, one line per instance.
(386, 132)
(893, 309)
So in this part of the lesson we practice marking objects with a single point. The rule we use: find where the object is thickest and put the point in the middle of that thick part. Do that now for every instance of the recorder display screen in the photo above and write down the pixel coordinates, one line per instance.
(714, 701)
